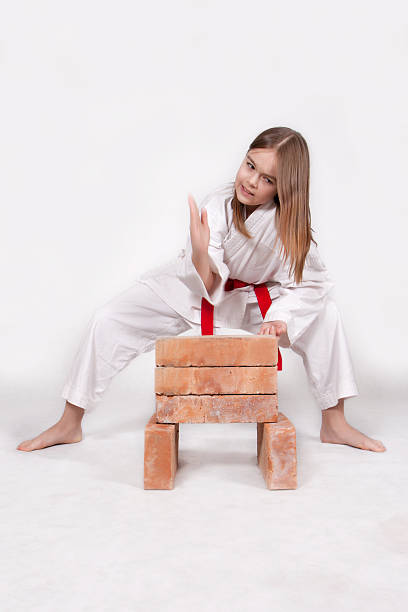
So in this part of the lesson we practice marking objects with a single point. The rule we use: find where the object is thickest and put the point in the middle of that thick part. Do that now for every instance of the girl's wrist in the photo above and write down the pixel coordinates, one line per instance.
(198, 253)
(201, 262)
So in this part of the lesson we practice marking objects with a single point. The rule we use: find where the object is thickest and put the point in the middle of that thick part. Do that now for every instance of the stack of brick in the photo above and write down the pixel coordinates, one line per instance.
(218, 379)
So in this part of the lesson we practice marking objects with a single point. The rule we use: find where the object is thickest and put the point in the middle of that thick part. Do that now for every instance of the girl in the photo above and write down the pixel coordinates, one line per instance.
(242, 225)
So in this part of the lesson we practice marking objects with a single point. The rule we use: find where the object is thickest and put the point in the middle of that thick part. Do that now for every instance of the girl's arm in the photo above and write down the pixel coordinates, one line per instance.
(200, 239)
(299, 304)
(203, 270)
(202, 265)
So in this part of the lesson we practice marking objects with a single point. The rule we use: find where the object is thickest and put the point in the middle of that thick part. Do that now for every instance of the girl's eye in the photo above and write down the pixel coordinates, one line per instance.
(252, 166)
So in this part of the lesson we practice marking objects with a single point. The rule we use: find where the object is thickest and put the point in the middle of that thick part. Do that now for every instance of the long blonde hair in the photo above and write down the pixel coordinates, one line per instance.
(292, 218)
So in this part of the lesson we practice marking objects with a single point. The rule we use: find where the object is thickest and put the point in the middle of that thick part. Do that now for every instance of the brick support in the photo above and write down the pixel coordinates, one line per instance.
(276, 452)
(160, 454)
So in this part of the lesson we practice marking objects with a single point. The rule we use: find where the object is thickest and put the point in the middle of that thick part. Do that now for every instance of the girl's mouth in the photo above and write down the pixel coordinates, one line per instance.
(245, 191)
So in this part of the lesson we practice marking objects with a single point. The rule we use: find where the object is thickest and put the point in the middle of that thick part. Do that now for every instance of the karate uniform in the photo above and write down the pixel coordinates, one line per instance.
(167, 300)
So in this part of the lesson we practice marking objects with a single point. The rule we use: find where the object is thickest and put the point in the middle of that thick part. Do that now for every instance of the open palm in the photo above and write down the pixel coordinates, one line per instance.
(199, 229)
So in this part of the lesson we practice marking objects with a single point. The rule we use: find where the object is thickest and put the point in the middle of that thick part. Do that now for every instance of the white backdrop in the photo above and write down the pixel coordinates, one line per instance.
(111, 112)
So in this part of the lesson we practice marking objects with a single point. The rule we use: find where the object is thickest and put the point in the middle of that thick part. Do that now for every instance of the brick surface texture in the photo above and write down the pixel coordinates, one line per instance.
(217, 351)
(216, 408)
(215, 380)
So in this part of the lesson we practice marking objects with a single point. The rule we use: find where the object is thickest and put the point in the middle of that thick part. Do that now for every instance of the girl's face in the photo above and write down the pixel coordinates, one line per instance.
(257, 175)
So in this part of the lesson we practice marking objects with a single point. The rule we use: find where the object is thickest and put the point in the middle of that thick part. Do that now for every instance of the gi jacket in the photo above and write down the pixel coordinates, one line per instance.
(232, 255)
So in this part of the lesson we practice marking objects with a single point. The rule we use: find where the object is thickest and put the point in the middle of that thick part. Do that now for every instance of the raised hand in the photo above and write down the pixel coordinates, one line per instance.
(199, 229)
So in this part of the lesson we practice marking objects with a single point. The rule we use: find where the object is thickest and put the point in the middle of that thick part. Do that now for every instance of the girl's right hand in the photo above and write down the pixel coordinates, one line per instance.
(273, 328)
(199, 229)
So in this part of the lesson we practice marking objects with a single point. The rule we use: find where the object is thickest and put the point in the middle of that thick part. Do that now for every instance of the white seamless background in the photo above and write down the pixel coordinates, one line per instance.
(112, 112)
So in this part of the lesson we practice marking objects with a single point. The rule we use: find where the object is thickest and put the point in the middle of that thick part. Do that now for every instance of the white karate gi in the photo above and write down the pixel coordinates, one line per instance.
(166, 300)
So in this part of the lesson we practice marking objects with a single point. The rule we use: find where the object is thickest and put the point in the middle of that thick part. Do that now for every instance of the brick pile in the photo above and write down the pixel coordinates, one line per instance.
(218, 379)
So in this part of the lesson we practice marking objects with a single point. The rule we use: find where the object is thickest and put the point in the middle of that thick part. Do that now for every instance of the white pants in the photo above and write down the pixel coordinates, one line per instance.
(129, 324)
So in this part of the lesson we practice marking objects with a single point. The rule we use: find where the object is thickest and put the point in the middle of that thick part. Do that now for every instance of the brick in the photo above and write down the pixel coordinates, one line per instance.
(215, 380)
(276, 453)
(216, 408)
(160, 454)
(253, 350)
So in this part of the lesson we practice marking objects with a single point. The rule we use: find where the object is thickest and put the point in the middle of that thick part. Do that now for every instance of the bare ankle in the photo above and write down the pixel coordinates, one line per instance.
(72, 415)
(334, 412)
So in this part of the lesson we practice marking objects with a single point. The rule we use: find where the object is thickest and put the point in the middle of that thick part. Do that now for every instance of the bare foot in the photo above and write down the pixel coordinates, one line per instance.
(343, 433)
(57, 434)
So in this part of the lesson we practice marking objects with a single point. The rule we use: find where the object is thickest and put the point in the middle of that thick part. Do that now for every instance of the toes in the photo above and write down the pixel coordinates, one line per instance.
(375, 445)
(371, 446)
(22, 444)
(27, 445)
(379, 445)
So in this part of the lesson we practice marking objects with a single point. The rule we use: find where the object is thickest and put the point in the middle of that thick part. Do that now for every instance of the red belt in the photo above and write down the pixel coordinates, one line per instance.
(207, 309)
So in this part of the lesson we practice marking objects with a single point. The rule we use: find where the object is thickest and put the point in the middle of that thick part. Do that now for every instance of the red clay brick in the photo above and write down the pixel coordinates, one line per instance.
(215, 380)
(216, 408)
(251, 350)
(276, 452)
(160, 454)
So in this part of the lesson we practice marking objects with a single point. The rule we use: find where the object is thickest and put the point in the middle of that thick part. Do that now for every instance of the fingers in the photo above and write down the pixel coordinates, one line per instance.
(195, 212)
(194, 220)
(273, 329)
(193, 207)
(268, 330)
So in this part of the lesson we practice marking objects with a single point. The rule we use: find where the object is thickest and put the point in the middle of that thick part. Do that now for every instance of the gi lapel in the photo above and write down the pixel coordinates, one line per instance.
(234, 240)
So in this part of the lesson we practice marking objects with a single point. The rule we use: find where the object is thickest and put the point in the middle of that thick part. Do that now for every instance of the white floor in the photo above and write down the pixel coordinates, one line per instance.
(79, 532)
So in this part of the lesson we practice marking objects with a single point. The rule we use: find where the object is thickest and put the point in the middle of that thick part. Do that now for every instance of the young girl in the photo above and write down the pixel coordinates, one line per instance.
(256, 229)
